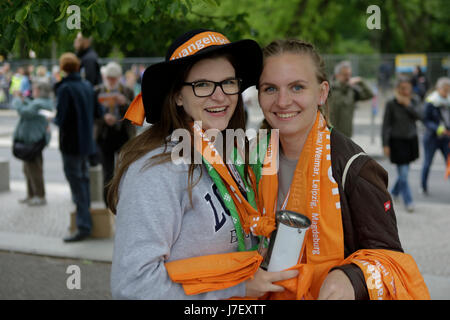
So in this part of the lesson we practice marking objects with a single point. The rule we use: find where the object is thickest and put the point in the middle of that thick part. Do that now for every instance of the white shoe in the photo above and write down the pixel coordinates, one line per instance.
(410, 208)
(37, 201)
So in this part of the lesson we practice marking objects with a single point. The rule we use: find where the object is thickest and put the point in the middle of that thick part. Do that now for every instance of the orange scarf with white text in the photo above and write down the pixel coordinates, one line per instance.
(315, 193)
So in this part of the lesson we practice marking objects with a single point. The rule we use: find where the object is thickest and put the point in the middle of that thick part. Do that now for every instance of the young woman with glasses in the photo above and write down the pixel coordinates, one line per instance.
(168, 212)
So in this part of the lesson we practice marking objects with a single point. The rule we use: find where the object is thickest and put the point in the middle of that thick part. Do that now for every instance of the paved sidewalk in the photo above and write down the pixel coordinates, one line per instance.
(39, 230)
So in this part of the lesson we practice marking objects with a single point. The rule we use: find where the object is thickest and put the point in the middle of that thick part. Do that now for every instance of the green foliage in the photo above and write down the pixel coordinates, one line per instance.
(147, 27)
(336, 26)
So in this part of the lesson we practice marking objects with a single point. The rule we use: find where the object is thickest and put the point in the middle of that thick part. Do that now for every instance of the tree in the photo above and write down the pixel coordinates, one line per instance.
(339, 26)
(146, 27)
(140, 27)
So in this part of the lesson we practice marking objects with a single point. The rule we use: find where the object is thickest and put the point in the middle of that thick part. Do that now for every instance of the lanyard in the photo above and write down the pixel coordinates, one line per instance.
(237, 172)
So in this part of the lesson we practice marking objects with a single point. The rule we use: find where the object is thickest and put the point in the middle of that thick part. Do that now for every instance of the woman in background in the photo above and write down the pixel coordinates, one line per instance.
(399, 136)
(33, 127)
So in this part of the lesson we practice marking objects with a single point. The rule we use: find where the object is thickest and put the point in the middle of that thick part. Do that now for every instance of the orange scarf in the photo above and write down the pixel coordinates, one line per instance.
(136, 112)
(390, 275)
(213, 272)
(314, 193)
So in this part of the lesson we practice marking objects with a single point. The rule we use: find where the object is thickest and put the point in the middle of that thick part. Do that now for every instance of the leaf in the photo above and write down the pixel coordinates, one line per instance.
(212, 3)
(147, 13)
(174, 7)
(35, 23)
(22, 13)
(46, 16)
(9, 37)
(105, 29)
(63, 8)
(188, 4)
(137, 5)
(53, 3)
(99, 12)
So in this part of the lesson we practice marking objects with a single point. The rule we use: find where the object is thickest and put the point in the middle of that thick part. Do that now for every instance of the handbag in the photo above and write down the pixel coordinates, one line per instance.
(28, 151)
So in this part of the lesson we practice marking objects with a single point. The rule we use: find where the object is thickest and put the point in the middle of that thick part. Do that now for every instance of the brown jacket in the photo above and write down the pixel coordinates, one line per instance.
(367, 210)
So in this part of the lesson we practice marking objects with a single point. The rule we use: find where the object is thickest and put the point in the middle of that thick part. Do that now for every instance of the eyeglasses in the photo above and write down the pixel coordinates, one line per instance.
(205, 88)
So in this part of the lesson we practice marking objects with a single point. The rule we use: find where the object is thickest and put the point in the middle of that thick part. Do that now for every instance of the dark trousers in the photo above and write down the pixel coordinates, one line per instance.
(430, 146)
(76, 170)
(34, 174)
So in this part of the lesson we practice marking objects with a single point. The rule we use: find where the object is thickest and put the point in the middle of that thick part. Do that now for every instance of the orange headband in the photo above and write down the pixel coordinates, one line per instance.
(198, 42)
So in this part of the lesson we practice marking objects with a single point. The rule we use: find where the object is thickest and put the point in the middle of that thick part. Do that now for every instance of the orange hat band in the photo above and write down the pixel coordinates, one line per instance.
(199, 42)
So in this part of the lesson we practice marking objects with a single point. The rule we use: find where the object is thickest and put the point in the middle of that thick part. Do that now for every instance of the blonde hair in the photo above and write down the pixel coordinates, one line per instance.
(300, 47)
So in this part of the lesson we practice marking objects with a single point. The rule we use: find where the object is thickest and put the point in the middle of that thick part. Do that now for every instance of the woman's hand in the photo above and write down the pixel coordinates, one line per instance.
(336, 286)
(262, 282)
(110, 119)
(403, 100)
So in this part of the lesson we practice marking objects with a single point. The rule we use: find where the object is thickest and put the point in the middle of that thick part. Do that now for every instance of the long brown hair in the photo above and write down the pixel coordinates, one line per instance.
(157, 135)
(278, 47)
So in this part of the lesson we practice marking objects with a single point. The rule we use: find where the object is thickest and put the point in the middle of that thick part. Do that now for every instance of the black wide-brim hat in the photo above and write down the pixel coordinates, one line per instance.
(191, 46)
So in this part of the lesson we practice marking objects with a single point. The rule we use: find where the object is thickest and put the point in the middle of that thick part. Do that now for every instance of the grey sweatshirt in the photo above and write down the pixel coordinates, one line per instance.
(155, 224)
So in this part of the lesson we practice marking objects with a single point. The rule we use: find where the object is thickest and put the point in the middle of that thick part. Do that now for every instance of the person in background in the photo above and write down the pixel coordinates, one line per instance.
(42, 74)
(32, 128)
(419, 82)
(90, 68)
(76, 109)
(16, 80)
(25, 83)
(5, 80)
(436, 119)
(399, 136)
(55, 76)
(345, 92)
(131, 81)
(111, 133)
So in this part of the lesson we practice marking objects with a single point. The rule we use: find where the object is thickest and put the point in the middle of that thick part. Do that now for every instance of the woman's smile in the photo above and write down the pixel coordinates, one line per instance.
(217, 111)
(286, 115)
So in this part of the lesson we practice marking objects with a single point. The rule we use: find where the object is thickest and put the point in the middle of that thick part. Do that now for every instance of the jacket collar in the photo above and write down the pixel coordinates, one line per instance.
(75, 76)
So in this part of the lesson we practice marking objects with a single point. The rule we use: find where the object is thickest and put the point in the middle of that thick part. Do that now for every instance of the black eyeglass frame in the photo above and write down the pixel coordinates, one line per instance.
(216, 84)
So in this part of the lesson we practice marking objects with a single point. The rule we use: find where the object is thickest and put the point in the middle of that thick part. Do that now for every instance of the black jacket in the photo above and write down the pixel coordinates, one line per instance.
(76, 109)
(400, 121)
(90, 69)
(368, 215)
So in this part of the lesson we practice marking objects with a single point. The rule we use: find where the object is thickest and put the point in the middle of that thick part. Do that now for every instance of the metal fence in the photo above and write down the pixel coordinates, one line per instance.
(372, 66)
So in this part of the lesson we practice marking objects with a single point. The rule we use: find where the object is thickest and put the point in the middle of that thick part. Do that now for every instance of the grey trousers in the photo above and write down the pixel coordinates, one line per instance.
(34, 174)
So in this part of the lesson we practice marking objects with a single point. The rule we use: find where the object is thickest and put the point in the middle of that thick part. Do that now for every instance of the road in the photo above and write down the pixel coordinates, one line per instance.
(30, 277)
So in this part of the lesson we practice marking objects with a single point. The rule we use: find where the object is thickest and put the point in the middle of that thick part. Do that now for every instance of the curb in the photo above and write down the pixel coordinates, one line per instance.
(90, 249)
